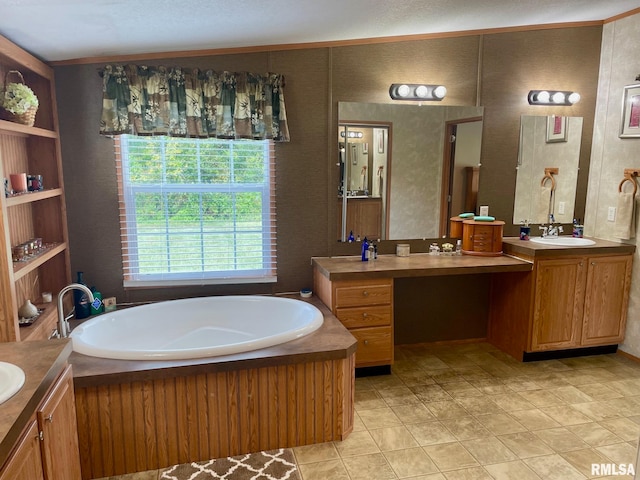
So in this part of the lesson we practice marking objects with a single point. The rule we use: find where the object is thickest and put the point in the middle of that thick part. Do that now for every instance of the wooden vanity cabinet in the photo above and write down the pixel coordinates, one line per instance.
(566, 302)
(48, 448)
(365, 308)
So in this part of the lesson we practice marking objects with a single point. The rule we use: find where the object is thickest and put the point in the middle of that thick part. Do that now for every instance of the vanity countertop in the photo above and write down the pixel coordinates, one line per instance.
(416, 265)
(42, 362)
(528, 249)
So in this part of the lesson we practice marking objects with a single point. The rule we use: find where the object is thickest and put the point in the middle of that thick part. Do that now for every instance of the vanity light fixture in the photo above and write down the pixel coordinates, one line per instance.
(552, 97)
(416, 91)
(352, 134)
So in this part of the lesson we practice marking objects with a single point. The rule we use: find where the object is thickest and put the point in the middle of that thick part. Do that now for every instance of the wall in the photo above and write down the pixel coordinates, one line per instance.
(493, 70)
(619, 66)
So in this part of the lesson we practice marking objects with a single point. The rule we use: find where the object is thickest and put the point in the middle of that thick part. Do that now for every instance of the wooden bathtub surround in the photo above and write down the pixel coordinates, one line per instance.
(135, 416)
(38, 436)
(574, 297)
(361, 294)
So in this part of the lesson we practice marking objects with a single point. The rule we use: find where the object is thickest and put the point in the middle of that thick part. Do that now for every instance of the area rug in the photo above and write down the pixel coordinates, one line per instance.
(267, 465)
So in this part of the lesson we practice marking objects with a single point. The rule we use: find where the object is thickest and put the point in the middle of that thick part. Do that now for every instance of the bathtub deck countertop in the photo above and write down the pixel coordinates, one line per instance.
(416, 265)
(331, 341)
(42, 362)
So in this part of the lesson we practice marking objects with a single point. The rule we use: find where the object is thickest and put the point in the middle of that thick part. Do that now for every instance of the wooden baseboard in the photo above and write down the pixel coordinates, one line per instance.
(628, 355)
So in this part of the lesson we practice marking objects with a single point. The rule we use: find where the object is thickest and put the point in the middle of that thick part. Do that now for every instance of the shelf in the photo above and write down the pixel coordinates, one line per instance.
(33, 196)
(20, 269)
(44, 324)
(17, 128)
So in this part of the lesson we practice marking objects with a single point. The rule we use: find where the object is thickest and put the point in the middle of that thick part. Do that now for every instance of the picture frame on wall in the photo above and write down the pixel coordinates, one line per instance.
(556, 129)
(630, 122)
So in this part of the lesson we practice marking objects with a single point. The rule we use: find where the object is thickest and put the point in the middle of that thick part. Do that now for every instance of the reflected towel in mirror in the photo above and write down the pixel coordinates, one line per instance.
(544, 201)
(625, 226)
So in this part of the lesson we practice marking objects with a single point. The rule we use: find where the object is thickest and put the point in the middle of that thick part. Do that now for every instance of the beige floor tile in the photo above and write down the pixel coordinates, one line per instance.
(448, 375)
(454, 360)
(366, 467)
(430, 393)
(595, 434)
(319, 452)
(526, 445)
(491, 386)
(475, 473)
(466, 428)
(393, 438)
(553, 467)
(357, 443)
(571, 394)
(417, 413)
(522, 385)
(415, 377)
(432, 476)
(358, 425)
(385, 381)
(534, 419)
(550, 380)
(148, 475)
(619, 453)
(566, 415)
(561, 439)
(599, 391)
(368, 399)
(431, 362)
(501, 423)
(489, 450)
(542, 398)
(446, 409)
(461, 388)
(363, 384)
(582, 460)
(516, 470)
(410, 462)
(379, 417)
(628, 388)
(626, 429)
(599, 410)
(450, 456)
(623, 407)
(512, 402)
(398, 396)
(479, 405)
(430, 433)
(333, 469)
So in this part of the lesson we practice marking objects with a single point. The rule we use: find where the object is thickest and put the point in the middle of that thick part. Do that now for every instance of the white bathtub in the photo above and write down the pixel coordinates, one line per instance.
(196, 327)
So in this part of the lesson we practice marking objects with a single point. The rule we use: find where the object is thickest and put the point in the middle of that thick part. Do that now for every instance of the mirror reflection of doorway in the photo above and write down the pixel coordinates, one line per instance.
(460, 169)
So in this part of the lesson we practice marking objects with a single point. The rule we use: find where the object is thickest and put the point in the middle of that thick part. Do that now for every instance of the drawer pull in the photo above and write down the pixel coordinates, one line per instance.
(365, 315)
(366, 342)
(365, 293)
(49, 418)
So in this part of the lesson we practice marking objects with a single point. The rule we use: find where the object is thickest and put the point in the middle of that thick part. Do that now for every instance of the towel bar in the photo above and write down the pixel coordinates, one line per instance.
(629, 176)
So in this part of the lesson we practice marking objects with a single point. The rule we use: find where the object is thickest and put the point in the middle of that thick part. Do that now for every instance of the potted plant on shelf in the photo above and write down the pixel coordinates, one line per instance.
(17, 101)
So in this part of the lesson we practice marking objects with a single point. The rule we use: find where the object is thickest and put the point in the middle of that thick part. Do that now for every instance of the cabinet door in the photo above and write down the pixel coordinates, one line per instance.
(375, 346)
(559, 296)
(606, 300)
(57, 420)
(26, 461)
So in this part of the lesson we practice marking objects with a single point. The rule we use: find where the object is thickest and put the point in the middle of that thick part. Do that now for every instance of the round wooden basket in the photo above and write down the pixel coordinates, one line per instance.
(27, 118)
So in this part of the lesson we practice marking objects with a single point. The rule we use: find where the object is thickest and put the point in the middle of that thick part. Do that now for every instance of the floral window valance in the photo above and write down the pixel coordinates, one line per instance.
(142, 100)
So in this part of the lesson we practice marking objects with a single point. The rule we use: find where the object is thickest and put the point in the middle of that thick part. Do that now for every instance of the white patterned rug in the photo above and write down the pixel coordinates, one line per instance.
(268, 465)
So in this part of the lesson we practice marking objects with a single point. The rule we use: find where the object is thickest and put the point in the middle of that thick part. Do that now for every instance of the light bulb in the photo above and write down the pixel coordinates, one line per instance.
(543, 96)
(422, 91)
(440, 91)
(558, 97)
(574, 98)
(404, 90)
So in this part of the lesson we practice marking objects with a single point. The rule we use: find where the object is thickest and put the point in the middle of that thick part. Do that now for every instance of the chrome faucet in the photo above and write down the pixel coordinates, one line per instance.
(63, 323)
(551, 230)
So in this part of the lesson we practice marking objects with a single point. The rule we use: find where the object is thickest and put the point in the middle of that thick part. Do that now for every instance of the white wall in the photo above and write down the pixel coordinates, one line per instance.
(610, 155)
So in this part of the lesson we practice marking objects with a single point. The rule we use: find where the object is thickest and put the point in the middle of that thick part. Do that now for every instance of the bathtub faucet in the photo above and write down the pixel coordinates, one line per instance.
(63, 324)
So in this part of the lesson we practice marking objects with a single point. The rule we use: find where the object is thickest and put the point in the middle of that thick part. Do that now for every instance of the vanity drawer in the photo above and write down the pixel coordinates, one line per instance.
(375, 346)
(368, 316)
(363, 294)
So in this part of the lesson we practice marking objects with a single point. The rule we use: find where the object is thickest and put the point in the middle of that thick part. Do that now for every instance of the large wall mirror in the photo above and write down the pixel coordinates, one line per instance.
(405, 169)
(547, 169)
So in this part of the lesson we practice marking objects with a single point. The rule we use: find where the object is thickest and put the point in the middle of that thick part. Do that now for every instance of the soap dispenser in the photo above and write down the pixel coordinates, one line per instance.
(365, 250)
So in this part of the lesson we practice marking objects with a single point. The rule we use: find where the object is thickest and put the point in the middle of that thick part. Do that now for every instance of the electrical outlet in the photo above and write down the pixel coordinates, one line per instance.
(611, 214)
(561, 208)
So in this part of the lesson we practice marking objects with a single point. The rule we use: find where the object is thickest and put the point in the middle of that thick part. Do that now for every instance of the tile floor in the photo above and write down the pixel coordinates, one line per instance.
(471, 412)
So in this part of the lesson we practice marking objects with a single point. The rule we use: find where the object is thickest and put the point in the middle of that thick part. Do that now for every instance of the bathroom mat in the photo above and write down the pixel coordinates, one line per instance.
(267, 465)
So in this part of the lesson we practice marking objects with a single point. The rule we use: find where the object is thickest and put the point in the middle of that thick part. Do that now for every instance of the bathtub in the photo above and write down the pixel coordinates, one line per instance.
(196, 327)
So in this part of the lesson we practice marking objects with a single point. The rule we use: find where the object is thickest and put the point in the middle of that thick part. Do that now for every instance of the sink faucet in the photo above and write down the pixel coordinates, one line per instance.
(551, 230)
(63, 324)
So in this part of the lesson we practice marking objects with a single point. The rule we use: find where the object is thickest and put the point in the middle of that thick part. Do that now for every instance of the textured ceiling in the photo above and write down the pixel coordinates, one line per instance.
(66, 29)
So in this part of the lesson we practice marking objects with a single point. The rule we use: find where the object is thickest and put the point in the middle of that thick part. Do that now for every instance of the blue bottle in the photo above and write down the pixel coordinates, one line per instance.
(351, 239)
(81, 300)
(365, 250)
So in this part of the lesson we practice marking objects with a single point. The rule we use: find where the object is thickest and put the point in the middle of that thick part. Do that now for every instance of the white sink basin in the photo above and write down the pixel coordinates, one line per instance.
(11, 380)
(563, 241)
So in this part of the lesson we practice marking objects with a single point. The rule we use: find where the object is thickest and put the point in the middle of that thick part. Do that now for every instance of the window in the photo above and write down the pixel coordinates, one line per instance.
(196, 211)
